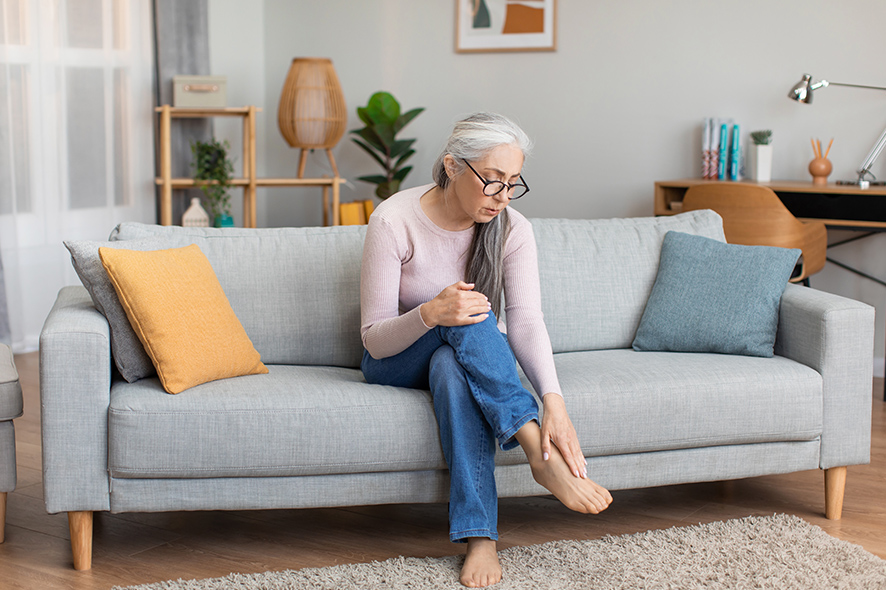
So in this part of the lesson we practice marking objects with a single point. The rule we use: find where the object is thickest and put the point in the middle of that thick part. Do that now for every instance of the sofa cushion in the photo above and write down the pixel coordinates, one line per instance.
(714, 297)
(179, 311)
(300, 420)
(127, 350)
(596, 275)
(297, 420)
(295, 290)
(623, 401)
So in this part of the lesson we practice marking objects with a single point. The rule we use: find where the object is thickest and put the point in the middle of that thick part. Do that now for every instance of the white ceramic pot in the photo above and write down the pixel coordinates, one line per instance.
(761, 162)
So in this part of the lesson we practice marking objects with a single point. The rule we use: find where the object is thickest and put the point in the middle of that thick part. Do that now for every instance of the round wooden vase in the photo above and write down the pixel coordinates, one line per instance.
(820, 169)
(312, 112)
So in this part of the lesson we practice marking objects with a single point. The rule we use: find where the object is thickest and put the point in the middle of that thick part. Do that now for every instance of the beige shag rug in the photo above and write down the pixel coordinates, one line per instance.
(756, 552)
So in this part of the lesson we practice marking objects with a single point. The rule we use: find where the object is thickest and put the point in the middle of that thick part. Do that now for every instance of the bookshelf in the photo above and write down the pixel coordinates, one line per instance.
(249, 181)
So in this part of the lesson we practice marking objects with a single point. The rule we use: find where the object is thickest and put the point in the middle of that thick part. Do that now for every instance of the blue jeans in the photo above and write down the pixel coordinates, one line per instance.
(478, 401)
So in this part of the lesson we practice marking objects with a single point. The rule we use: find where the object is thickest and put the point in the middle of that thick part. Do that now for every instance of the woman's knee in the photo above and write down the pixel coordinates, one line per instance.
(446, 375)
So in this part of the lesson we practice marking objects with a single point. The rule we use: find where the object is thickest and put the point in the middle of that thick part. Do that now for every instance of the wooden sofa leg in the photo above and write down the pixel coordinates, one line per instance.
(834, 487)
(80, 524)
(2, 516)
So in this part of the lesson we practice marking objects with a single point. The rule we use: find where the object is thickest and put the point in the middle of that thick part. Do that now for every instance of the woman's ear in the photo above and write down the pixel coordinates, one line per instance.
(450, 166)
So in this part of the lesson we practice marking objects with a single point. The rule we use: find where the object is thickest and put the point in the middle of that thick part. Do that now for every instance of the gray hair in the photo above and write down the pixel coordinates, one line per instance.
(472, 139)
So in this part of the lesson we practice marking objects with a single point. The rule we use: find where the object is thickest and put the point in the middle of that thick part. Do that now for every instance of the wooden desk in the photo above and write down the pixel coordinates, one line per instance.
(839, 206)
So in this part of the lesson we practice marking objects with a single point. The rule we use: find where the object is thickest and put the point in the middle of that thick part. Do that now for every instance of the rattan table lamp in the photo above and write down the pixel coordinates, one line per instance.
(312, 112)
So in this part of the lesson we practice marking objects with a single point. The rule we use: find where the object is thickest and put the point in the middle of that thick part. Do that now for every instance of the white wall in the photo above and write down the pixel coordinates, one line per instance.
(618, 106)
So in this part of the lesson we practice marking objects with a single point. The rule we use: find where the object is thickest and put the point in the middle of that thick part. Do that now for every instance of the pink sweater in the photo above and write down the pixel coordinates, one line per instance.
(408, 260)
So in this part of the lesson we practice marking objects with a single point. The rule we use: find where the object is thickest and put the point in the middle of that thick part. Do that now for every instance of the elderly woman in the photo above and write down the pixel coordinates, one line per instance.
(438, 262)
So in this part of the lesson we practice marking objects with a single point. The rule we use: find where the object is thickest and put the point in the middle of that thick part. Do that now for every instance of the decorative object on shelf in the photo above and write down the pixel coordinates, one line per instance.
(378, 138)
(312, 112)
(199, 92)
(484, 25)
(212, 166)
(820, 167)
(761, 155)
(357, 212)
(802, 92)
(196, 215)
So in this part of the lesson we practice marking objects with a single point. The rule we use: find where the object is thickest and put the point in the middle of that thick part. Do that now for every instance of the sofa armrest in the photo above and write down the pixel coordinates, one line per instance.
(75, 387)
(835, 336)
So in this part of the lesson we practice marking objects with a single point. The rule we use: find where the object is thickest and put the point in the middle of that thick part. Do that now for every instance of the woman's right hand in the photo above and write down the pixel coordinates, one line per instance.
(456, 305)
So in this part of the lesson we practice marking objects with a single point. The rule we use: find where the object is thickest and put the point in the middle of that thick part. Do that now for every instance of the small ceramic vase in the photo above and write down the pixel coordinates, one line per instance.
(820, 169)
(195, 216)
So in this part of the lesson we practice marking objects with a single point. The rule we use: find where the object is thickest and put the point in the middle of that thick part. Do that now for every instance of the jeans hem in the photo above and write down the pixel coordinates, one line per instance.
(463, 536)
(507, 440)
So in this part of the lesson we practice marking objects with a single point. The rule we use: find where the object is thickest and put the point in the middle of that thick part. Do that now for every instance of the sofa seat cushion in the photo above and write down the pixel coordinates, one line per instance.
(296, 420)
(624, 401)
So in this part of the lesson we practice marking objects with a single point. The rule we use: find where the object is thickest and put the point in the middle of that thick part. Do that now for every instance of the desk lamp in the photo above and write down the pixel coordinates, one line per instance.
(802, 92)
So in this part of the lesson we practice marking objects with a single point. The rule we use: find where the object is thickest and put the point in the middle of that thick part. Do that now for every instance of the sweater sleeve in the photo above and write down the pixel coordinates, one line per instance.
(527, 333)
(383, 330)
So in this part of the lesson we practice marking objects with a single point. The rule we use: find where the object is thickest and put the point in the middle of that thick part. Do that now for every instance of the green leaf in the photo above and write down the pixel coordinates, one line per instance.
(372, 138)
(385, 133)
(405, 118)
(403, 158)
(401, 173)
(383, 108)
(387, 189)
(363, 113)
(374, 178)
(371, 152)
(400, 146)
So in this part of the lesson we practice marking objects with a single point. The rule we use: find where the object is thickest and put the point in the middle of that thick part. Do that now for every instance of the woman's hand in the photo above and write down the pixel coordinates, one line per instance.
(556, 427)
(456, 305)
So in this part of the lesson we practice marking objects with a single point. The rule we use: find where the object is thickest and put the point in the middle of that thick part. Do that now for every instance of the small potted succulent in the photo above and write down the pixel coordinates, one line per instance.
(212, 165)
(761, 155)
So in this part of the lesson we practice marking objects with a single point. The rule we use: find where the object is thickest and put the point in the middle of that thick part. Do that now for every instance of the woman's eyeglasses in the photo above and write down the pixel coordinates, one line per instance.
(493, 187)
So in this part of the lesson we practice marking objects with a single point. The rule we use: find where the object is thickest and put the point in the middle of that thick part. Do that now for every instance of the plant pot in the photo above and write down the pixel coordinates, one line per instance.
(224, 220)
(761, 162)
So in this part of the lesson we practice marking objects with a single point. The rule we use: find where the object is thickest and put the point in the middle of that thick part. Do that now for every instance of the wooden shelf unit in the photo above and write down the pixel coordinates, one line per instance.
(249, 181)
(837, 205)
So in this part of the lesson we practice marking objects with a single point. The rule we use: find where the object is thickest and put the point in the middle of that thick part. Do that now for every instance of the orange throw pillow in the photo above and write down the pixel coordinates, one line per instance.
(181, 314)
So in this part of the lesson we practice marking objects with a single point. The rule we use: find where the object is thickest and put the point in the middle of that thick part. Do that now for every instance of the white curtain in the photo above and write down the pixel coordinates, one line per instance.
(76, 140)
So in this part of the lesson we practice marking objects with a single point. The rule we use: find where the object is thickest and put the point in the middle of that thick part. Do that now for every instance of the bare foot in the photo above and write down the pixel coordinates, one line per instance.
(481, 566)
(576, 493)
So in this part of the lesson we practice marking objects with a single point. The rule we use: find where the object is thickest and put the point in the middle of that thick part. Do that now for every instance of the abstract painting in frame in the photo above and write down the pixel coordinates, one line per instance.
(505, 25)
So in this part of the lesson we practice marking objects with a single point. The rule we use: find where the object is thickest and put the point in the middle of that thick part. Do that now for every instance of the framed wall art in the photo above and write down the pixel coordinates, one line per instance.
(505, 25)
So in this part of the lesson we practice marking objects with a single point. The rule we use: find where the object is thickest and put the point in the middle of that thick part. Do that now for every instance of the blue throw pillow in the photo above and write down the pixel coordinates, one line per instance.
(710, 296)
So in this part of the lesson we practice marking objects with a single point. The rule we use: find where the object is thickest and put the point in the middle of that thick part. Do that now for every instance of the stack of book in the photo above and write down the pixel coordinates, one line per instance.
(721, 150)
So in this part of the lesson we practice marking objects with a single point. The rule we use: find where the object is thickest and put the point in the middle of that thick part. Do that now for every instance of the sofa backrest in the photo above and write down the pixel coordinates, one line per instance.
(596, 275)
(297, 290)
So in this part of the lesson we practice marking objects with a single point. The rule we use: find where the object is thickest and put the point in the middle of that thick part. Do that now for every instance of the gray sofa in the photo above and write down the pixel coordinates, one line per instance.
(312, 433)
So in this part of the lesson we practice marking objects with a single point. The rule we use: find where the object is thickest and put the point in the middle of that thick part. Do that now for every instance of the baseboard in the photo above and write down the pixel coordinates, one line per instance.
(879, 367)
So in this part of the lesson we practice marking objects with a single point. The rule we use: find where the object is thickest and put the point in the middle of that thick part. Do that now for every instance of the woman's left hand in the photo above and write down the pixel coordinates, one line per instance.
(556, 427)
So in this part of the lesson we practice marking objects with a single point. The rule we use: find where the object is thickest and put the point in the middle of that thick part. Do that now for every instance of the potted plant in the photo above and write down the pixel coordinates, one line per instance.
(761, 155)
(378, 138)
(212, 165)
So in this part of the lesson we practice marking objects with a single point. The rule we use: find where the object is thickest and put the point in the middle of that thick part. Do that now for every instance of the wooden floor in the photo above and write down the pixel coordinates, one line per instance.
(140, 548)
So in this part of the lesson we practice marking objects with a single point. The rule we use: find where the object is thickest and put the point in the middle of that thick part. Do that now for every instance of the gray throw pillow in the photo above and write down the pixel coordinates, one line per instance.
(128, 352)
(710, 296)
